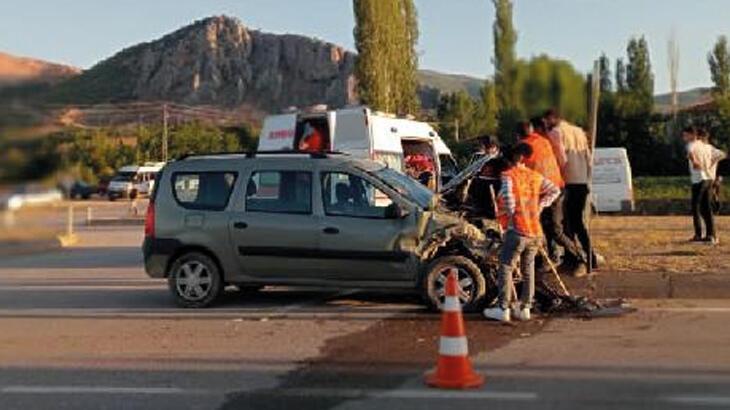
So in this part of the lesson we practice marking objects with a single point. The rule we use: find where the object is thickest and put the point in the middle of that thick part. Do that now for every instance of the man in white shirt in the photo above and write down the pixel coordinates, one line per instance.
(575, 159)
(702, 160)
(717, 155)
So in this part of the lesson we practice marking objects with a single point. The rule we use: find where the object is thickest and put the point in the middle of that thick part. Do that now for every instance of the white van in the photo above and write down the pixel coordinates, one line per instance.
(613, 190)
(362, 133)
(132, 181)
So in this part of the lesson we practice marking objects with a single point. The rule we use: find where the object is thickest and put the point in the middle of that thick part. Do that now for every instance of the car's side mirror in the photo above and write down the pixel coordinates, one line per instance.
(393, 211)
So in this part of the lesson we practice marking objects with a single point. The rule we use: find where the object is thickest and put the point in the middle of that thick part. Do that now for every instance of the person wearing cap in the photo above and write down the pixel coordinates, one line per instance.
(523, 195)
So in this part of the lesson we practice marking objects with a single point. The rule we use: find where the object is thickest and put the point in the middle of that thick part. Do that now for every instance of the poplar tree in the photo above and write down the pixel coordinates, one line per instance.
(719, 60)
(505, 67)
(639, 78)
(386, 34)
(505, 59)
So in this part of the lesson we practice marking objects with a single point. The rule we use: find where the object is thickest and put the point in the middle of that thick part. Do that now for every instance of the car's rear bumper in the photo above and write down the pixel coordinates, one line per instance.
(157, 254)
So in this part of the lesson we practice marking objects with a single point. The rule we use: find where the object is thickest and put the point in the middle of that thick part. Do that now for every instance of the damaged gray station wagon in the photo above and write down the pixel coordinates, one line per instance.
(307, 219)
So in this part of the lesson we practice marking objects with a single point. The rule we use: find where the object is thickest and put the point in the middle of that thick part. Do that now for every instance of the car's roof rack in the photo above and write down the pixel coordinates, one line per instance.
(254, 154)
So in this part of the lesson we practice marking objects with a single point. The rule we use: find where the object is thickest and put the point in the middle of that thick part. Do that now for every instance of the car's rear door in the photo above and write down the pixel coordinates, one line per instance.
(275, 234)
(358, 240)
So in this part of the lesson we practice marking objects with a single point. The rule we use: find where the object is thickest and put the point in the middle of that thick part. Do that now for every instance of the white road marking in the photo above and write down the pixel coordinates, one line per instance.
(98, 390)
(408, 394)
(700, 400)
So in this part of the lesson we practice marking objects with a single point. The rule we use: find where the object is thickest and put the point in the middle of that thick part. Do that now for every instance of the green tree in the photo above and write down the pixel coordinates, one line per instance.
(505, 57)
(505, 61)
(639, 77)
(620, 75)
(719, 61)
(543, 82)
(604, 69)
(386, 34)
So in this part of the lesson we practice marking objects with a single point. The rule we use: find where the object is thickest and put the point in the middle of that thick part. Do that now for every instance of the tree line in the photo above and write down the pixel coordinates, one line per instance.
(522, 88)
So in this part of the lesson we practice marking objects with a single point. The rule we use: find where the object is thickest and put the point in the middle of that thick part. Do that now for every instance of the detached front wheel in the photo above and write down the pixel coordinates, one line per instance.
(470, 278)
(194, 280)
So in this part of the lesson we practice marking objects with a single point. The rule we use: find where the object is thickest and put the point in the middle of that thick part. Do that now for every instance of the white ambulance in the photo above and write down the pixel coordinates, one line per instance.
(612, 189)
(401, 143)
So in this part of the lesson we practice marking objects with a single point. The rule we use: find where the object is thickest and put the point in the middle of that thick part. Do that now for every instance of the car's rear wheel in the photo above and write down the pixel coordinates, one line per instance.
(194, 280)
(470, 278)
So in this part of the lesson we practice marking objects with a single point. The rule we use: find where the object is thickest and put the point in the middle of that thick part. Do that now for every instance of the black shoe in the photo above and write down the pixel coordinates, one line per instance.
(697, 239)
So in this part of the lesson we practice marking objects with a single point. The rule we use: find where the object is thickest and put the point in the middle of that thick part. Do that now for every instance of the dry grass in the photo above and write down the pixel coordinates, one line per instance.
(658, 244)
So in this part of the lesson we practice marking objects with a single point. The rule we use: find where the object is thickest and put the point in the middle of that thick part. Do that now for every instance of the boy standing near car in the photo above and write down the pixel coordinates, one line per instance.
(524, 193)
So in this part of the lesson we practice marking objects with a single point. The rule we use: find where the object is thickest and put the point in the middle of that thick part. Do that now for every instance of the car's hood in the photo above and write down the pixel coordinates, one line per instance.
(469, 172)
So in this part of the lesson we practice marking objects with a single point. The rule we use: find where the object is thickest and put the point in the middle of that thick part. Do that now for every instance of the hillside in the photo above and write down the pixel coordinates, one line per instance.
(449, 83)
(686, 98)
(16, 71)
(219, 61)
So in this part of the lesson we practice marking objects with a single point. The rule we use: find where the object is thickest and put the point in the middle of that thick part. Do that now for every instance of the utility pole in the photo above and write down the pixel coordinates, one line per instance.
(164, 132)
(593, 130)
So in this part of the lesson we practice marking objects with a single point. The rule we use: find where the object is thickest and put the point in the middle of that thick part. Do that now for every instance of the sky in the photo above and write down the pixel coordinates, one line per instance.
(456, 35)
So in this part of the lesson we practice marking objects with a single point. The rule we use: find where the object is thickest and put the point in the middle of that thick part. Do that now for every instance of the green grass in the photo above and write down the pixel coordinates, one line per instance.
(665, 188)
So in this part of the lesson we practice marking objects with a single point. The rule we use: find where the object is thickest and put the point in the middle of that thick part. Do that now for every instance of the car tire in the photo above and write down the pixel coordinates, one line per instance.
(194, 280)
(433, 282)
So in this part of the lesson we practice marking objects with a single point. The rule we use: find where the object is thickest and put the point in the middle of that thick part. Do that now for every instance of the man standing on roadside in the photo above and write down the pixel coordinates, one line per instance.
(701, 162)
(717, 155)
(524, 193)
(575, 159)
(544, 162)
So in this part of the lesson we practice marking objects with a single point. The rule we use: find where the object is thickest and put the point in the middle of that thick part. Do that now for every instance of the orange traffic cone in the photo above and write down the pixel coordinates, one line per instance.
(453, 370)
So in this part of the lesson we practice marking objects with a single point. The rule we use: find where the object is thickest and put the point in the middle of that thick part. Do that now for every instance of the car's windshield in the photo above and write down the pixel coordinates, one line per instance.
(406, 186)
(123, 177)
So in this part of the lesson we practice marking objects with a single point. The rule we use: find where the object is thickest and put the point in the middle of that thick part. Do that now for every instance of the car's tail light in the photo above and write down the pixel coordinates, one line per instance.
(149, 220)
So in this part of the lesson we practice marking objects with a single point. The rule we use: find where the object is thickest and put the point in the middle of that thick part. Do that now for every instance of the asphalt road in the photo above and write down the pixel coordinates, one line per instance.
(85, 329)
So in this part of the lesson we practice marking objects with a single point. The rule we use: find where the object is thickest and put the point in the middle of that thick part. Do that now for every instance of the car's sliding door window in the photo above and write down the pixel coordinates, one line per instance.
(279, 192)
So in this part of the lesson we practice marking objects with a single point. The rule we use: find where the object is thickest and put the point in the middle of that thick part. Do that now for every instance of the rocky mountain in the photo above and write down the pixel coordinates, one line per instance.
(219, 61)
(16, 71)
